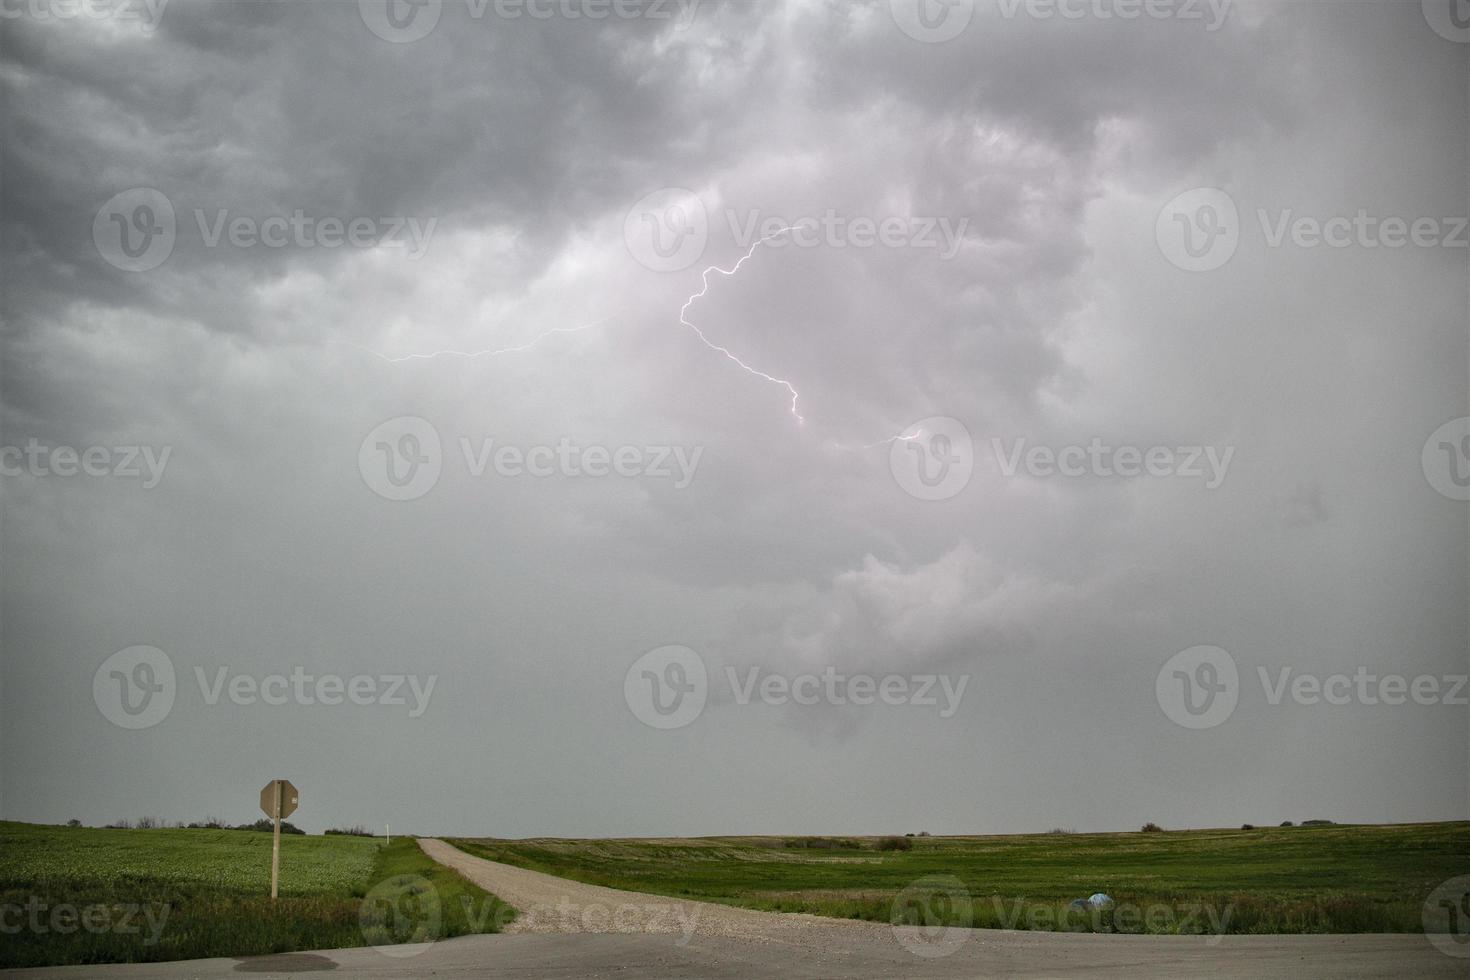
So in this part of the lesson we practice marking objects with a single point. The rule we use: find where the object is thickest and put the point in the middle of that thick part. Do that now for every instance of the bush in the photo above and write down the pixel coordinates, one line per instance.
(893, 844)
(73, 822)
(1316, 823)
(1287, 823)
(923, 833)
(1151, 828)
(356, 830)
(1247, 826)
(1061, 830)
(265, 826)
(823, 843)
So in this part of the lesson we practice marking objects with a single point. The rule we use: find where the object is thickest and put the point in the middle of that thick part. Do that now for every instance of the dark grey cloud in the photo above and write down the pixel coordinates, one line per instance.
(1056, 318)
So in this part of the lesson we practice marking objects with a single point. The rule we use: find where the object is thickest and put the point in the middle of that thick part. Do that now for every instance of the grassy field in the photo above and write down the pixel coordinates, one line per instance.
(82, 895)
(1330, 879)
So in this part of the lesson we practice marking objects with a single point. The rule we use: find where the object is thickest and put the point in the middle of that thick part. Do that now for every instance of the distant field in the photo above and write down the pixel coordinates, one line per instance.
(1332, 879)
(82, 895)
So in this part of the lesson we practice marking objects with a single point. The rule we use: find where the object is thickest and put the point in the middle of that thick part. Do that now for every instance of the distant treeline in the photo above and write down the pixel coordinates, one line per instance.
(262, 825)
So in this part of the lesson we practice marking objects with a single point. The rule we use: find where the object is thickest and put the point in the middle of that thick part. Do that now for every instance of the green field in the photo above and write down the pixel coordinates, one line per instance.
(82, 895)
(1329, 879)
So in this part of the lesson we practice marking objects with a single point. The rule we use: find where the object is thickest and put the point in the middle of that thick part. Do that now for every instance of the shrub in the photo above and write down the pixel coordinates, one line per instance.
(265, 826)
(356, 830)
(73, 822)
(1061, 830)
(1247, 826)
(923, 833)
(1151, 828)
(823, 843)
(1287, 823)
(893, 844)
(1316, 823)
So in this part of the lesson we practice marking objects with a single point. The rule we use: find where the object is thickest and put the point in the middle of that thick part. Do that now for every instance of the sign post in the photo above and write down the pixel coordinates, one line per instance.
(278, 799)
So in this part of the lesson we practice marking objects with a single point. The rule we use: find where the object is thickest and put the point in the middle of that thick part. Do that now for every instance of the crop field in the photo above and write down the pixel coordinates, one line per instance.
(1318, 879)
(83, 895)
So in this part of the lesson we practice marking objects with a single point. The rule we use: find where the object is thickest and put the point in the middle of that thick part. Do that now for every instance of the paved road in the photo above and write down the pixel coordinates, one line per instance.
(569, 930)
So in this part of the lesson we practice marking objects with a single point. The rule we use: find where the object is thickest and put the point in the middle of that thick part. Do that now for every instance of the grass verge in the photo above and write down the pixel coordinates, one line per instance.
(1318, 879)
(83, 895)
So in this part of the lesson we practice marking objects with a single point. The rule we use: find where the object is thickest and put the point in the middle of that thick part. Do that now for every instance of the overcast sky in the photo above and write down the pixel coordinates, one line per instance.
(997, 233)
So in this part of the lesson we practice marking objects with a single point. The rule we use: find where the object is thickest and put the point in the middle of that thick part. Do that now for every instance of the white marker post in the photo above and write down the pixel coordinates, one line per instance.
(278, 799)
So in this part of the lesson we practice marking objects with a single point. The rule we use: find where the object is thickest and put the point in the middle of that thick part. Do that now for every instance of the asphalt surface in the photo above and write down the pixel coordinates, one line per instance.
(568, 929)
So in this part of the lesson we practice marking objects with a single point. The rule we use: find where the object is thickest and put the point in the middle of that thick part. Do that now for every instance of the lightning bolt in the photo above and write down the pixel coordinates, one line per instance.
(795, 395)
(705, 286)
(704, 291)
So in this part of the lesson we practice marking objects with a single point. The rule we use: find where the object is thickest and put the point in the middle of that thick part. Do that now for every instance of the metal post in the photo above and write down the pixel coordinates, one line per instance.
(276, 841)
